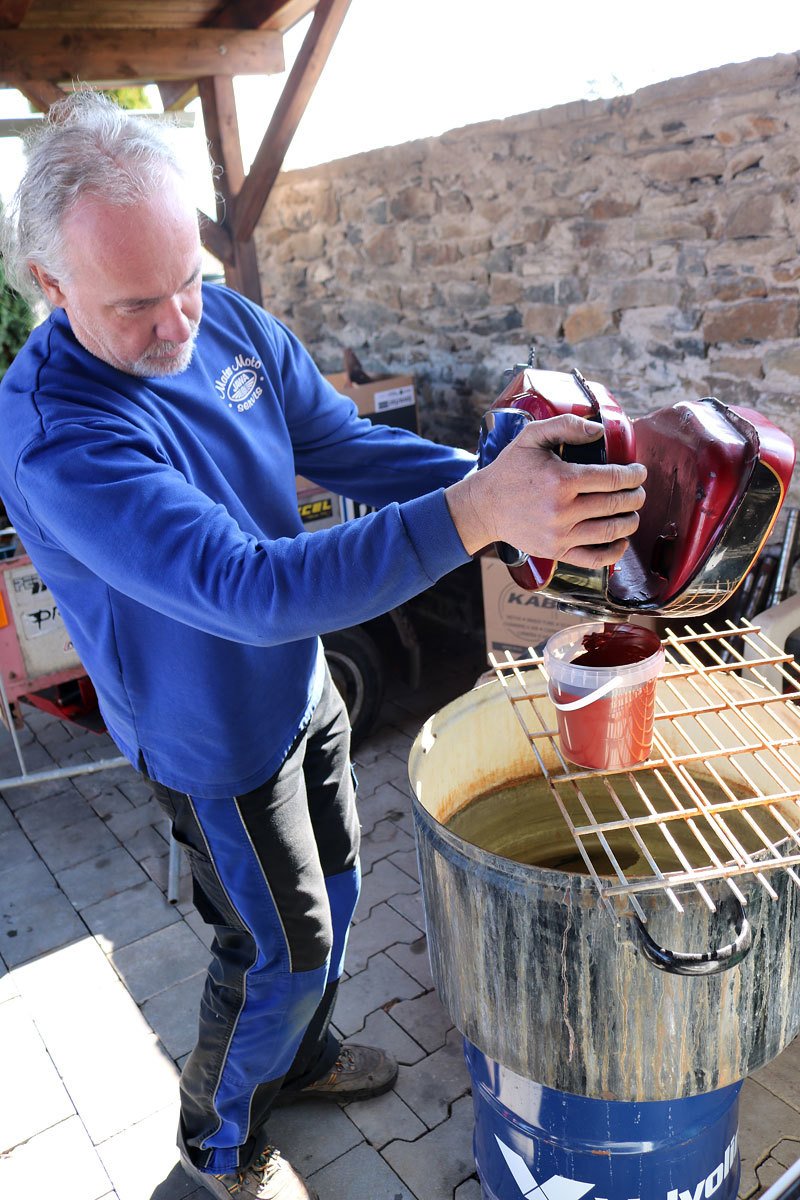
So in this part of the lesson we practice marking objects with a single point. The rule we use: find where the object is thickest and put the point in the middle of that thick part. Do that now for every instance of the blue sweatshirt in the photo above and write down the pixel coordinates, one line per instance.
(162, 514)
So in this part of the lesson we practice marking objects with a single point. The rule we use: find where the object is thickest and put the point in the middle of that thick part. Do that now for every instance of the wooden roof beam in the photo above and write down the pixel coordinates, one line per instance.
(216, 239)
(177, 93)
(263, 14)
(278, 15)
(317, 44)
(41, 93)
(137, 56)
(13, 12)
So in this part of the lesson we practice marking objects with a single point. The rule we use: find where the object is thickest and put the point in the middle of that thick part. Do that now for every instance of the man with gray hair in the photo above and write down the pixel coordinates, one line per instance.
(153, 427)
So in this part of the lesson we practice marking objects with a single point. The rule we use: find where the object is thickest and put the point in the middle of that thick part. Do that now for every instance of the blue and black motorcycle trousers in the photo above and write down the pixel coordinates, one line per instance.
(276, 872)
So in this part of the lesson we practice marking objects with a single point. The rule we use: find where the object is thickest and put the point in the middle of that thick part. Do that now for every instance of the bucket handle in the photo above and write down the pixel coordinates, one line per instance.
(711, 963)
(614, 682)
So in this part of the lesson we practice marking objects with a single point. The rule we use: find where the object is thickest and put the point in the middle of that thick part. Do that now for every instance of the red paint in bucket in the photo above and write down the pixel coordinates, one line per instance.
(620, 663)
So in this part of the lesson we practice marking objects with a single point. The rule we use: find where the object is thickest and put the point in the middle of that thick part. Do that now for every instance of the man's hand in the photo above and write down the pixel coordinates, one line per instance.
(548, 508)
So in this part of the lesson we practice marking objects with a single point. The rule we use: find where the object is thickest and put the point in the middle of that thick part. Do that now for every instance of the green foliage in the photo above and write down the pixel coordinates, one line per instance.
(16, 322)
(130, 98)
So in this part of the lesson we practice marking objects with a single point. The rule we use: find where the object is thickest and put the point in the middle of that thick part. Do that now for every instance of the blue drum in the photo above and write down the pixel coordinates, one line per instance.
(531, 1141)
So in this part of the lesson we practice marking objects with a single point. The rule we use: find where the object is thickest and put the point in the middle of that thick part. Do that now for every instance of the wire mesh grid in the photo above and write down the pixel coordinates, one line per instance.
(719, 797)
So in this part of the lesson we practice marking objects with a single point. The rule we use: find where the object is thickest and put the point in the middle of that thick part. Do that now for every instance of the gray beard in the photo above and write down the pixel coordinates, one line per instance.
(154, 365)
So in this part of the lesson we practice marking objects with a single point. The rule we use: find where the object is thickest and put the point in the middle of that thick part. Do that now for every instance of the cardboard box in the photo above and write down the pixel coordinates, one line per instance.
(391, 400)
(318, 508)
(388, 401)
(516, 620)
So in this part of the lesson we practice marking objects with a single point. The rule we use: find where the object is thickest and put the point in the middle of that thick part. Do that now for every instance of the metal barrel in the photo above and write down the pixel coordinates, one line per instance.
(549, 989)
(535, 1142)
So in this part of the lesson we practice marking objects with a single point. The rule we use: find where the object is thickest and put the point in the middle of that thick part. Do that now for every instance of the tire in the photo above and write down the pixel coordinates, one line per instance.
(357, 669)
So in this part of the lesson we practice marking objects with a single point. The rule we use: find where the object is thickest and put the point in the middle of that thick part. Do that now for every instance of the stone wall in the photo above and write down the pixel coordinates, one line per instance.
(652, 240)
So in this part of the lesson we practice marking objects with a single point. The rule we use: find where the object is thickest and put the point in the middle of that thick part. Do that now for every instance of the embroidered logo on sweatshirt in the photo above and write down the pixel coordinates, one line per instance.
(239, 385)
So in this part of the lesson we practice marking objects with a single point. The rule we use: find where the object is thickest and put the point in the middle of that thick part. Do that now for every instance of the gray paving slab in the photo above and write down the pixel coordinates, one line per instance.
(382, 928)
(100, 877)
(174, 1186)
(769, 1172)
(413, 958)
(27, 793)
(129, 915)
(380, 1030)
(142, 1158)
(7, 819)
(406, 822)
(172, 1015)
(136, 789)
(471, 1190)
(425, 1020)
(380, 984)
(125, 824)
(37, 758)
(36, 1098)
(764, 1122)
(103, 781)
(406, 860)
(387, 802)
(95, 1035)
(385, 838)
(382, 882)
(54, 735)
(312, 1134)
(361, 1174)
(782, 1075)
(83, 747)
(387, 739)
(15, 847)
(386, 768)
(65, 1153)
(149, 842)
(157, 869)
(411, 907)
(430, 1086)
(384, 1119)
(26, 880)
(31, 927)
(8, 985)
(787, 1152)
(62, 809)
(159, 960)
(436, 1164)
(108, 801)
(62, 848)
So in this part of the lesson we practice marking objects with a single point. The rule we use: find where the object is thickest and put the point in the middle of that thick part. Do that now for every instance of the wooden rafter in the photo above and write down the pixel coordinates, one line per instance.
(263, 14)
(197, 49)
(12, 13)
(277, 15)
(317, 45)
(217, 240)
(137, 56)
(222, 131)
(177, 93)
(41, 93)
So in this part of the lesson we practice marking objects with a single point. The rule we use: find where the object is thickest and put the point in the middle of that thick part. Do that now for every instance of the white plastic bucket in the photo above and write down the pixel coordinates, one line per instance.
(605, 712)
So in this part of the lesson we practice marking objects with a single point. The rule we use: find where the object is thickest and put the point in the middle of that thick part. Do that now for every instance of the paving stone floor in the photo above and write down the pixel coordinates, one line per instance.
(100, 979)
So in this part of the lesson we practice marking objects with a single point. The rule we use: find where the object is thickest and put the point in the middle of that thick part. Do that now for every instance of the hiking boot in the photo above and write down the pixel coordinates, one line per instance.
(270, 1177)
(359, 1073)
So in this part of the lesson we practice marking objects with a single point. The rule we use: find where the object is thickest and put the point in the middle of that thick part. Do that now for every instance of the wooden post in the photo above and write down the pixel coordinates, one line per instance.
(222, 130)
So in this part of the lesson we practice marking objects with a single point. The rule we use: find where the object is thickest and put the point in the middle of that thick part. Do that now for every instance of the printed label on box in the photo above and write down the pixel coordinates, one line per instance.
(43, 638)
(399, 397)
